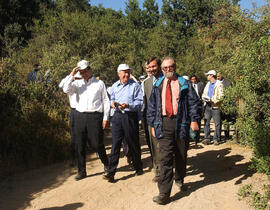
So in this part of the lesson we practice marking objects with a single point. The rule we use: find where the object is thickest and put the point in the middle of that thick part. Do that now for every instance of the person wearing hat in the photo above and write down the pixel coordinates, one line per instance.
(92, 113)
(126, 100)
(173, 109)
(212, 96)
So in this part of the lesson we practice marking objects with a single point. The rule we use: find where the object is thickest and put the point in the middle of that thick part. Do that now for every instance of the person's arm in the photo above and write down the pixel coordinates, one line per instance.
(195, 108)
(205, 96)
(106, 103)
(218, 95)
(69, 86)
(63, 81)
(137, 102)
(151, 111)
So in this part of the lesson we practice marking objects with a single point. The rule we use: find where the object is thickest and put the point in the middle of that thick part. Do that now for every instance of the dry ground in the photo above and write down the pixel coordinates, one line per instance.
(214, 175)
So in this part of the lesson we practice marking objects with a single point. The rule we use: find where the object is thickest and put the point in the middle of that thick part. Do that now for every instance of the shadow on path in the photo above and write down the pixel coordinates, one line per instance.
(214, 166)
(71, 206)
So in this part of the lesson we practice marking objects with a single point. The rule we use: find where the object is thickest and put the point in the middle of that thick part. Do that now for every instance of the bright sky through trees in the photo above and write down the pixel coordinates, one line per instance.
(120, 4)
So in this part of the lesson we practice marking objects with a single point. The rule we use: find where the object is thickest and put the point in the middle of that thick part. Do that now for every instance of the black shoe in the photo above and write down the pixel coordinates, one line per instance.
(80, 175)
(155, 179)
(129, 160)
(216, 142)
(161, 199)
(139, 172)
(180, 185)
(206, 142)
(106, 168)
(108, 177)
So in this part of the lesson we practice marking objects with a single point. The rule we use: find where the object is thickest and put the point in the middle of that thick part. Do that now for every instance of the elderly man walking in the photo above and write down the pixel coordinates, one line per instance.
(92, 113)
(126, 99)
(173, 109)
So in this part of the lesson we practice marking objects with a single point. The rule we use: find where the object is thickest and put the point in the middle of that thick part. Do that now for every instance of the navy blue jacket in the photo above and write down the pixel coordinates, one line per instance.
(189, 108)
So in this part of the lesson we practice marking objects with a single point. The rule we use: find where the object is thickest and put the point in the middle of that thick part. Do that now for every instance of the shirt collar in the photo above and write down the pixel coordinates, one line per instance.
(119, 83)
(213, 83)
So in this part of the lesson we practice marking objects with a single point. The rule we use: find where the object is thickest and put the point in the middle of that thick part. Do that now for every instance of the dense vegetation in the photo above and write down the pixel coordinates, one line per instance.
(199, 34)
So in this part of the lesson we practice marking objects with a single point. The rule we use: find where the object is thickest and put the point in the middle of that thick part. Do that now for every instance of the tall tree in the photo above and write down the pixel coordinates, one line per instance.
(72, 5)
(18, 15)
(150, 15)
(134, 13)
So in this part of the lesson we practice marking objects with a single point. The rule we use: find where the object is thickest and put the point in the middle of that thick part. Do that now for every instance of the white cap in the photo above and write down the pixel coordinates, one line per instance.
(123, 67)
(186, 77)
(83, 64)
(212, 72)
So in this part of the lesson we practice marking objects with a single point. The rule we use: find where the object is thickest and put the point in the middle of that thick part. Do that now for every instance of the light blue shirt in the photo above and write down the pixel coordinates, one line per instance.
(211, 89)
(156, 79)
(129, 93)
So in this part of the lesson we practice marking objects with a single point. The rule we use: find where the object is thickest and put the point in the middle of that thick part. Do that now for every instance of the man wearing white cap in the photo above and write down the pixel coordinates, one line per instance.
(92, 113)
(126, 100)
(212, 95)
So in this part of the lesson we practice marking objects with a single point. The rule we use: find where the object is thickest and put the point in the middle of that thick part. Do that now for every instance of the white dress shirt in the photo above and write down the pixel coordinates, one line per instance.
(195, 86)
(72, 97)
(91, 95)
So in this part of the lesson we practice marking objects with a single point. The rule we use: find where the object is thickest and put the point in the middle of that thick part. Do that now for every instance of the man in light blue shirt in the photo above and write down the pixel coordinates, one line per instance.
(126, 100)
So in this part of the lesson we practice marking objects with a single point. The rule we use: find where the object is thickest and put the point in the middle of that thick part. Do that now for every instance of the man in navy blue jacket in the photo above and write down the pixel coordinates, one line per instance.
(173, 109)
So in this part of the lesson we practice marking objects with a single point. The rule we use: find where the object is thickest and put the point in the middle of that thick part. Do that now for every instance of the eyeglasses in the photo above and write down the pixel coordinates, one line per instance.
(166, 68)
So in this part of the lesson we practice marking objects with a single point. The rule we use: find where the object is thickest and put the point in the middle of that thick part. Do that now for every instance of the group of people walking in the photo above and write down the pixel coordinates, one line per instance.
(170, 108)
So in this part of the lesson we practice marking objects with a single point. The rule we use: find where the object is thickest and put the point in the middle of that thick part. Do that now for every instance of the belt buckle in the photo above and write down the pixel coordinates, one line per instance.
(123, 112)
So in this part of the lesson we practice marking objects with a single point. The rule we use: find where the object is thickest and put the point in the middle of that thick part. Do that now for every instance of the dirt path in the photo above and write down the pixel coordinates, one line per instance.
(214, 175)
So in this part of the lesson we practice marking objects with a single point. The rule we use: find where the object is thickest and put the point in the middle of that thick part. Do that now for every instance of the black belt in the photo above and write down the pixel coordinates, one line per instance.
(90, 113)
(172, 117)
(125, 112)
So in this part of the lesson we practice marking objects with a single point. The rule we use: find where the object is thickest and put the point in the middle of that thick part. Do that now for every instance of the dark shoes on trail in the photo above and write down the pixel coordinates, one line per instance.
(109, 177)
(80, 175)
(180, 185)
(139, 172)
(162, 199)
(207, 142)
(155, 179)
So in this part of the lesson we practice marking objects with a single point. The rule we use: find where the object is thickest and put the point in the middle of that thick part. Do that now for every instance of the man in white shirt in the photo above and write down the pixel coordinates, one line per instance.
(92, 113)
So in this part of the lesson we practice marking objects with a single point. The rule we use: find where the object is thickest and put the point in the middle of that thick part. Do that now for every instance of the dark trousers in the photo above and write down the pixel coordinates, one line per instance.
(155, 152)
(73, 145)
(208, 114)
(88, 127)
(125, 126)
(146, 132)
(172, 151)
